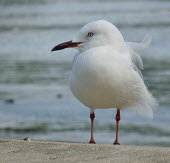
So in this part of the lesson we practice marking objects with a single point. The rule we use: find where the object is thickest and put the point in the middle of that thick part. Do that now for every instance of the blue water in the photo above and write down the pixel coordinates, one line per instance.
(35, 100)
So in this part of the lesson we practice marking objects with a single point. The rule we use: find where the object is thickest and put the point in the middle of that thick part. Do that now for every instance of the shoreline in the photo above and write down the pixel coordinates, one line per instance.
(21, 151)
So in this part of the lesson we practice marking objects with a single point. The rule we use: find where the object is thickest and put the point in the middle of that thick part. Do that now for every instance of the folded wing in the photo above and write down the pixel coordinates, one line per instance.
(135, 49)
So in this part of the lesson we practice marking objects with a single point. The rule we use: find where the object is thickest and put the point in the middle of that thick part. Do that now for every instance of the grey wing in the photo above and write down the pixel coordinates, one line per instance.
(137, 70)
(134, 49)
(137, 63)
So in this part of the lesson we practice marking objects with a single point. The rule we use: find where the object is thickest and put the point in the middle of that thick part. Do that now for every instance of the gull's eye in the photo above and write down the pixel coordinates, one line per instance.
(90, 34)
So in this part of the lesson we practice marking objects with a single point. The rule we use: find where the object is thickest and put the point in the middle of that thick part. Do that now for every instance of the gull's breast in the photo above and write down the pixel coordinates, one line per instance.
(100, 79)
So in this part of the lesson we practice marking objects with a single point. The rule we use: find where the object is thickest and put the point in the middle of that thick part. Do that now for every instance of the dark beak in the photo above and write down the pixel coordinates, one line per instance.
(69, 44)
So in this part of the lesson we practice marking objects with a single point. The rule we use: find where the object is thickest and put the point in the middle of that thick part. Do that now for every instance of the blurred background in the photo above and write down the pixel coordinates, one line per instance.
(35, 99)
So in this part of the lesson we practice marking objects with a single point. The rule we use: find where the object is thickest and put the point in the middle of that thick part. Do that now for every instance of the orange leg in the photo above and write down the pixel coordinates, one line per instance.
(117, 126)
(92, 116)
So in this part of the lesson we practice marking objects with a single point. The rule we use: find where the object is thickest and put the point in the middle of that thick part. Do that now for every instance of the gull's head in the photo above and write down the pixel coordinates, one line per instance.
(95, 34)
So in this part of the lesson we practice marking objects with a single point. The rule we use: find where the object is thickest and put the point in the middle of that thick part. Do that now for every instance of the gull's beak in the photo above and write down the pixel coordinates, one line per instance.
(69, 44)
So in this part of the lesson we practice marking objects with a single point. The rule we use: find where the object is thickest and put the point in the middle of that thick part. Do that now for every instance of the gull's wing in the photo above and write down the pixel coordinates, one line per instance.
(134, 49)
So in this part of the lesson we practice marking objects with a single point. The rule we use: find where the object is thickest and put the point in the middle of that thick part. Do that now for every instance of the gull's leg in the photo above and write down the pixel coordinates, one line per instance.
(117, 126)
(92, 116)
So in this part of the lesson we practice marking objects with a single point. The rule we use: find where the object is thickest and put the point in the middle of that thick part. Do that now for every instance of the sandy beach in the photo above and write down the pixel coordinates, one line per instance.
(21, 151)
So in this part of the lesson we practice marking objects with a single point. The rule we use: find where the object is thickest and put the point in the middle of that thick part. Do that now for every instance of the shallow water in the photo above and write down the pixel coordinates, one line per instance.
(36, 80)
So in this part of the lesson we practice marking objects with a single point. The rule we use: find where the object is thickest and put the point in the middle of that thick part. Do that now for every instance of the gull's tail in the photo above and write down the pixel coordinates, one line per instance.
(147, 105)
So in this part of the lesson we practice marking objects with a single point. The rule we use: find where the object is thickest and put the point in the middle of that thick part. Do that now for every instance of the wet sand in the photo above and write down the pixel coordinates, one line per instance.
(21, 151)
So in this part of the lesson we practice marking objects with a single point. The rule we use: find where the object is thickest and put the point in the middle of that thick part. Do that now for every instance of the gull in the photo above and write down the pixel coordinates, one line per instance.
(106, 72)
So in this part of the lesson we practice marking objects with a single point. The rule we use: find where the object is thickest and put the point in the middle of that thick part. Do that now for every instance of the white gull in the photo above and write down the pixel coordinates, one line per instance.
(106, 72)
